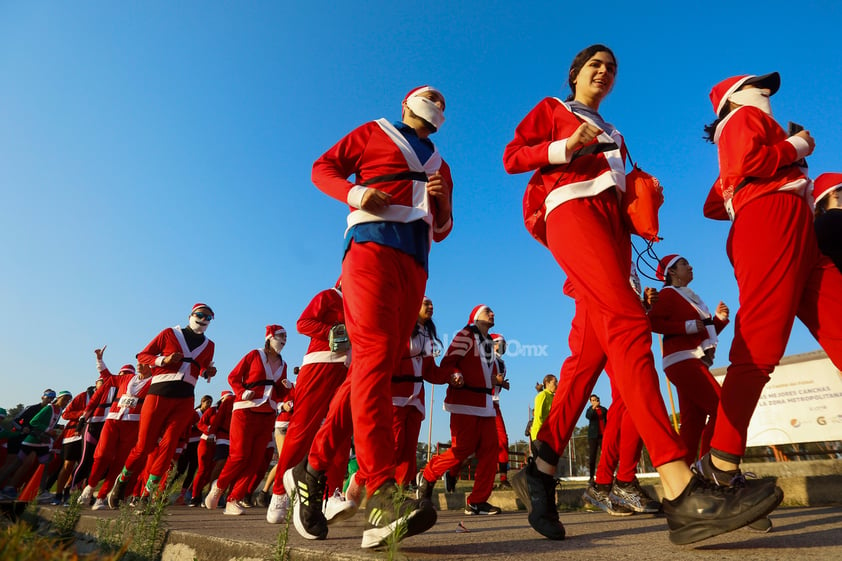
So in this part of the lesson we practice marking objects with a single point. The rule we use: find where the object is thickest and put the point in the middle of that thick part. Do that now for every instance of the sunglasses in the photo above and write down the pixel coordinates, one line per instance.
(202, 315)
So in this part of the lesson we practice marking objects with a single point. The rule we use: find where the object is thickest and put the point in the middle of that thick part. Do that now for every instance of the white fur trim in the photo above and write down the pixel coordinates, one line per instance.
(802, 147)
(557, 152)
(355, 196)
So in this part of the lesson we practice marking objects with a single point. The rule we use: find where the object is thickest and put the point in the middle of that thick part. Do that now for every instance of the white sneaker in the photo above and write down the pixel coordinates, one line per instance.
(99, 504)
(338, 508)
(87, 496)
(212, 500)
(354, 492)
(233, 509)
(278, 507)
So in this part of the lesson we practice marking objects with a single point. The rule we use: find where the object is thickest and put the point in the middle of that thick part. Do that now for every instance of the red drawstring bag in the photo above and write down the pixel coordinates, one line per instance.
(534, 211)
(641, 201)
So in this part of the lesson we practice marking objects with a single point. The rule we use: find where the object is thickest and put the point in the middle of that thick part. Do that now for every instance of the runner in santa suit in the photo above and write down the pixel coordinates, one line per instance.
(417, 364)
(772, 245)
(119, 434)
(93, 421)
(500, 347)
(321, 374)
(71, 443)
(178, 357)
(690, 338)
(260, 386)
(470, 365)
(188, 462)
(204, 452)
(578, 160)
(827, 194)
(400, 202)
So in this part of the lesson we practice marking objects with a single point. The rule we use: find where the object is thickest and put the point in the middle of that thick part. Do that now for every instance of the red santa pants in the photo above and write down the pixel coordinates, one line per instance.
(115, 443)
(382, 289)
(205, 453)
(160, 417)
(469, 434)
(406, 424)
(249, 433)
(698, 397)
(315, 386)
(589, 240)
(332, 446)
(621, 444)
(576, 380)
(502, 440)
(780, 273)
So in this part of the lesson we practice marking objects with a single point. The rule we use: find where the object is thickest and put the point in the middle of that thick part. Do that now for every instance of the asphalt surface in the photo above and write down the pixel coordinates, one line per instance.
(813, 533)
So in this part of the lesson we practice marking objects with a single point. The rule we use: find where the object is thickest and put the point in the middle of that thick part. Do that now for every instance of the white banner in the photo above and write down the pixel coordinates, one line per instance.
(802, 402)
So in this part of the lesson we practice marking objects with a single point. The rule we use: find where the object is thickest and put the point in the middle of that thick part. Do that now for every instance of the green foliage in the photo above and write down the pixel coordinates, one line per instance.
(21, 542)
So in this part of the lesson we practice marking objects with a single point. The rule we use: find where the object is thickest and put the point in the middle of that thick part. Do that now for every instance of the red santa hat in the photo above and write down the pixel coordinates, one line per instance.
(722, 91)
(225, 393)
(477, 311)
(497, 337)
(198, 306)
(129, 368)
(825, 184)
(421, 89)
(665, 264)
(272, 330)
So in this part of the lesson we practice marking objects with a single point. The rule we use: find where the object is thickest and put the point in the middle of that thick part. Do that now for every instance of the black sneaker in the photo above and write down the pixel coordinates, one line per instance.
(504, 485)
(536, 490)
(306, 488)
(600, 496)
(633, 496)
(735, 478)
(704, 510)
(762, 525)
(449, 483)
(262, 499)
(393, 517)
(482, 508)
(195, 501)
(115, 495)
(425, 488)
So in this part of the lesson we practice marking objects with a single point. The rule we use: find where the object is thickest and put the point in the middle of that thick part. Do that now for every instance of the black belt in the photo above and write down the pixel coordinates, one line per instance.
(400, 176)
(399, 379)
(474, 389)
(251, 385)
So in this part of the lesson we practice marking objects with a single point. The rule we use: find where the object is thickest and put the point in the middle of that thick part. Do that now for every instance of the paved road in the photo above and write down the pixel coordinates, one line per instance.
(813, 533)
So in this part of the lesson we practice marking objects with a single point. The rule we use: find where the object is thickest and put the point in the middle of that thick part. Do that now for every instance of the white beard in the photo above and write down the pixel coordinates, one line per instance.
(754, 97)
(197, 327)
(276, 345)
(426, 109)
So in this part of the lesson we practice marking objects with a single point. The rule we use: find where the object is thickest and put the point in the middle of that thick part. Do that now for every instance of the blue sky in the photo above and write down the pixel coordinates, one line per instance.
(154, 154)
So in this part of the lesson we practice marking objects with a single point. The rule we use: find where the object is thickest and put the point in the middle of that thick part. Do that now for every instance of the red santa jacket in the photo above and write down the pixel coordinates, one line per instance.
(220, 423)
(74, 410)
(417, 364)
(126, 391)
(472, 356)
(372, 152)
(323, 312)
(540, 144)
(253, 373)
(204, 424)
(755, 159)
(283, 417)
(171, 340)
(670, 314)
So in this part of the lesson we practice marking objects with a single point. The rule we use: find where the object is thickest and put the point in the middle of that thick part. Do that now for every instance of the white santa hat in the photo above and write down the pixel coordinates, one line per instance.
(198, 306)
(825, 184)
(273, 330)
(722, 91)
(476, 312)
(665, 265)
